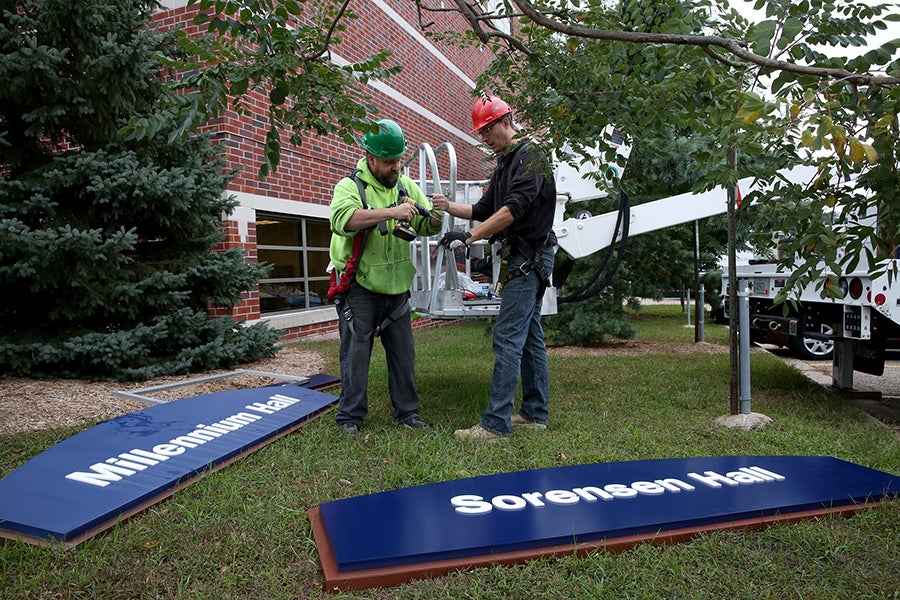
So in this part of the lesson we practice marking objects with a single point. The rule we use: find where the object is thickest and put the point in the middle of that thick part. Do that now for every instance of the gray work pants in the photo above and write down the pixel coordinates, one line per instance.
(369, 310)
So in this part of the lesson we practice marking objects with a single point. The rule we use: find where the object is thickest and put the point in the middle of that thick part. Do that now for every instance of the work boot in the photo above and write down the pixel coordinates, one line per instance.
(349, 428)
(518, 421)
(477, 433)
(413, 422)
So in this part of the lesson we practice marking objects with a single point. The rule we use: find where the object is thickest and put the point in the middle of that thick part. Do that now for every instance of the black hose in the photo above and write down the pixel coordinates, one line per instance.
(593, 287)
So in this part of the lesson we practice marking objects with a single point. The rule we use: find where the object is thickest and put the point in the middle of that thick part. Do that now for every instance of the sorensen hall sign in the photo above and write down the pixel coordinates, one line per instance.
(395, 536)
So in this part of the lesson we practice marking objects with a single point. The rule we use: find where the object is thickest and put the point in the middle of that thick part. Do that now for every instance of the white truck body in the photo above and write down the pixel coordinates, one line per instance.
(866, 319)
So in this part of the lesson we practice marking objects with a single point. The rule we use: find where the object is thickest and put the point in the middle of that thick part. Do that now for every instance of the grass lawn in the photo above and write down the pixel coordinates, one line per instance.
(243, 532)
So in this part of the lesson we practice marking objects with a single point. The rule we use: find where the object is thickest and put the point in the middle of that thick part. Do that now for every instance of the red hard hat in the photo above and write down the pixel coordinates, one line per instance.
(486, 110)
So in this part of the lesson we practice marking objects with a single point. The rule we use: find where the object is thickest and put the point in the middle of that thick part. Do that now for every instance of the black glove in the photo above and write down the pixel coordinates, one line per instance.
(455, 239)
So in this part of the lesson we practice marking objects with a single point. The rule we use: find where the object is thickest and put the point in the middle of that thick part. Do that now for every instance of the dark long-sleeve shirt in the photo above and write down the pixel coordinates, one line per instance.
(523, 182)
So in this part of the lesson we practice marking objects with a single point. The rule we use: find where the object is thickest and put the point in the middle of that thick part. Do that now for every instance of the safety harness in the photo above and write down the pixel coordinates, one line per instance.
(534, 264)
(340, 285)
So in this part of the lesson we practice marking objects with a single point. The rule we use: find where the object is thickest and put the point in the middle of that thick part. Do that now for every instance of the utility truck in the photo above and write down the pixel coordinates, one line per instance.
(855, 329)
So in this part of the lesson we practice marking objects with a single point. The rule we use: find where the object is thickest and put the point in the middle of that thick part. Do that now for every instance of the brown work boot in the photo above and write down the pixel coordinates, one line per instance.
(476, 433)
(518, 420)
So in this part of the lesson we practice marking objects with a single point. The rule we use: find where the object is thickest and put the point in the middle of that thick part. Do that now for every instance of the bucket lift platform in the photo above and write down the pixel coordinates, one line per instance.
(444, 287)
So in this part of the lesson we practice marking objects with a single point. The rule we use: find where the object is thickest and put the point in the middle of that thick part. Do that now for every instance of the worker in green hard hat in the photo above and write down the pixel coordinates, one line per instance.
(375, 213)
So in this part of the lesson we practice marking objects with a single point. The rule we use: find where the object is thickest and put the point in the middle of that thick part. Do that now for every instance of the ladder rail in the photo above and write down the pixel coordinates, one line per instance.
(436, 298)
(426, 158)
(451, 281)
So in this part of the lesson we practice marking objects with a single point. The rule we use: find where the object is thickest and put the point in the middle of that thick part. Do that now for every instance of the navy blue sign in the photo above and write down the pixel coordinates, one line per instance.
(89, 481)
(560, 506)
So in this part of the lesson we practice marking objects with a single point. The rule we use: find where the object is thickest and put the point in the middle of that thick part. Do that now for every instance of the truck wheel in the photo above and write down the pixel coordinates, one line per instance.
(812, 348)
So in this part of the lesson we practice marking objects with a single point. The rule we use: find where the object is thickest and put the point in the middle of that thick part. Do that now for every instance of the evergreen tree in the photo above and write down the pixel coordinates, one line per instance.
(107, 267)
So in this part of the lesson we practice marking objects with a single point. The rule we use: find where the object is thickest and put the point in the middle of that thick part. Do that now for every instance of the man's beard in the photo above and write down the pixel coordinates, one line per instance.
(388, 179)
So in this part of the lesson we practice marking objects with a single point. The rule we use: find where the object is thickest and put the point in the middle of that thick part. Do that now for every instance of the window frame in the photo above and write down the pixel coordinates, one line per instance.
(302, 282)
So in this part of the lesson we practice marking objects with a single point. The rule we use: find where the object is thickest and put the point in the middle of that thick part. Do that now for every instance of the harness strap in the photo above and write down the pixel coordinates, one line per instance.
(536, 265)
(398, 312)
(524, 269)
(340, 285)
(345, 312)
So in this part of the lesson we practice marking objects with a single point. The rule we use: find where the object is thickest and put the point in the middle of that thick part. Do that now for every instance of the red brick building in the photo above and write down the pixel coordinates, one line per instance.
(283, 220)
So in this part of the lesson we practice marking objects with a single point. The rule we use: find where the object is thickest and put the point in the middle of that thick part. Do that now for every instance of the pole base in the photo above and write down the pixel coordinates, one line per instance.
(745, 421)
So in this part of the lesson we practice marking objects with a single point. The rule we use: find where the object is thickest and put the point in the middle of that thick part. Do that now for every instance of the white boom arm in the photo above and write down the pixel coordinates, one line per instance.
(582, 237)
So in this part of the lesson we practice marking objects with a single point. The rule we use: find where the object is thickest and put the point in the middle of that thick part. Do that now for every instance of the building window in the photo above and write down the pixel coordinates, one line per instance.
(297, 250)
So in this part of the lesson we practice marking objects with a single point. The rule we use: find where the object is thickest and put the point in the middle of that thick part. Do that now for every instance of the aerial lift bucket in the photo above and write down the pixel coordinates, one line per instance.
(442, 288)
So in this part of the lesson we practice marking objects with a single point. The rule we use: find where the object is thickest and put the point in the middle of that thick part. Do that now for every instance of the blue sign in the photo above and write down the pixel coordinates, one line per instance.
(540, 509)
(91, 480)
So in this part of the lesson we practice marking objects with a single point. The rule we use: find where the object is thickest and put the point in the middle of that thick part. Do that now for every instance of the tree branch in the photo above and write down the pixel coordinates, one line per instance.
(473, 14)
(725, 61)
(705, 42)
(330, 33)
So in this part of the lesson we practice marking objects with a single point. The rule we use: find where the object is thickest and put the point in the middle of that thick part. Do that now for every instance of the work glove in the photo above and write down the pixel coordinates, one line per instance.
(455, 239)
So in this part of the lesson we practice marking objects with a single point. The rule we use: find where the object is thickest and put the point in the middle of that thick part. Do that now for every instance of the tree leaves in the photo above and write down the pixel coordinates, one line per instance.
(277, 49)
(761, 36)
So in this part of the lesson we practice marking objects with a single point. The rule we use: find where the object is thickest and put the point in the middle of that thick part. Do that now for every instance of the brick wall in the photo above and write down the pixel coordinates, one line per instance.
(331, 328)
(248, 307)
(430, 101)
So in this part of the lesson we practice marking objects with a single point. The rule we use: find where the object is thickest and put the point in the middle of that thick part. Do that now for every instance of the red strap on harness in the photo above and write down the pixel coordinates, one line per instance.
(338, 287)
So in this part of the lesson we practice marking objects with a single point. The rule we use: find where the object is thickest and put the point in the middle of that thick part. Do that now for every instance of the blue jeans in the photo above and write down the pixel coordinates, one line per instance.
(519, 351)
(369, 311)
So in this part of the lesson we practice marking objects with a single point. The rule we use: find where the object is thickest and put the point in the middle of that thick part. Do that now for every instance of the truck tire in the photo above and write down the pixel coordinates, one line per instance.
(812, 348)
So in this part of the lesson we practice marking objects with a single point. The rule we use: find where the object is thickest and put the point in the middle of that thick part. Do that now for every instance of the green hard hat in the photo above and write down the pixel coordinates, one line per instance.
(387, 142)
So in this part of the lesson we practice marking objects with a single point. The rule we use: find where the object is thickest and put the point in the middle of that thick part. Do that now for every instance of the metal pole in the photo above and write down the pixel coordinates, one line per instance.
(732, 292)
(697, 286)
(701, 313)
(744, 339)
(687, 294)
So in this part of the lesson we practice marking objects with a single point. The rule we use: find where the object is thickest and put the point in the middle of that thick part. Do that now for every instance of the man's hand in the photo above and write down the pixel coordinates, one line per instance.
(455, 239)
(440, 202)
(405, 211)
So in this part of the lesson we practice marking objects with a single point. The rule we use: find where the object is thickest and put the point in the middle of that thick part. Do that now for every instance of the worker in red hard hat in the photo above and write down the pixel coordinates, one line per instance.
(517, 208)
